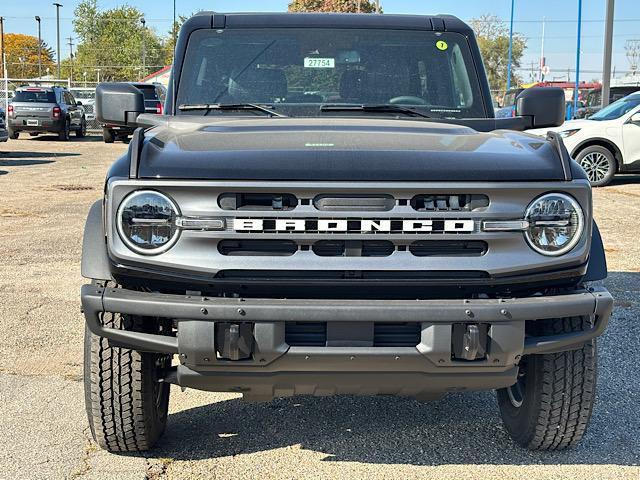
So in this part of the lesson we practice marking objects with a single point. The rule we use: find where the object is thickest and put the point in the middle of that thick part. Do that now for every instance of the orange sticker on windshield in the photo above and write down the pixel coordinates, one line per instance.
(441, 45)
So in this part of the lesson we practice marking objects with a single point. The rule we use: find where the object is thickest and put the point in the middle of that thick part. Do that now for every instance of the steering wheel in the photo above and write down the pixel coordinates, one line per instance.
(407, 100)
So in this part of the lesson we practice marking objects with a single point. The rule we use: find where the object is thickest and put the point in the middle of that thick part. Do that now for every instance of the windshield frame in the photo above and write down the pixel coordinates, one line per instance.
(473, 65)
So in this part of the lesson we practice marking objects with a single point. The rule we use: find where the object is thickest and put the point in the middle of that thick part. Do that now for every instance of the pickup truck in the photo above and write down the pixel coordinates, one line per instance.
(327, 205)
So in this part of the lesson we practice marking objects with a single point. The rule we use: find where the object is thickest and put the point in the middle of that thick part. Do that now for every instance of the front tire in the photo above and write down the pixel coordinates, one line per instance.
(125, 401)
(550, 406)
(82, 131)
(108, 135)
(13, 134)
(599, 163)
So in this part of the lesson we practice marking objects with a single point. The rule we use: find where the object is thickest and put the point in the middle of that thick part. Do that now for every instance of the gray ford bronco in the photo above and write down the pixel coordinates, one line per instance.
(327, 206)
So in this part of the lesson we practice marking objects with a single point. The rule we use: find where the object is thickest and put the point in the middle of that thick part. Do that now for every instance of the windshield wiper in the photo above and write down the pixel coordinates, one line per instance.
(229, 106)
(337, 107)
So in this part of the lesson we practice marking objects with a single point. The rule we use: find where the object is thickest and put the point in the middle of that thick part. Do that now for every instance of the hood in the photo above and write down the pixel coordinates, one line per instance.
(361, 149)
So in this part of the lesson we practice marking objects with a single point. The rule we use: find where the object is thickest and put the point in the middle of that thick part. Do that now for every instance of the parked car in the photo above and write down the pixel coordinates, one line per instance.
(606, 143)
(87, 95)
(4, 133)
(154, 97)
(398, 240)
(37, 110)
(508, 108)
(593, 101)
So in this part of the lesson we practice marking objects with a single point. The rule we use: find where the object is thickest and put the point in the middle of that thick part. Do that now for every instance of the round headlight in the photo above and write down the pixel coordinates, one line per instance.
(556, 223)
(147, 222)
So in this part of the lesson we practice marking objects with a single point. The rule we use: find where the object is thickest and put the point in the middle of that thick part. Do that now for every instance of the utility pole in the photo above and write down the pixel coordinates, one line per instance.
(71, 56)
(39, 48)
(377, 6)
(2, 47)
(543, 62)
(58, 5)
(608, 47)
(513, 4)
(144, 47)
(575, 91)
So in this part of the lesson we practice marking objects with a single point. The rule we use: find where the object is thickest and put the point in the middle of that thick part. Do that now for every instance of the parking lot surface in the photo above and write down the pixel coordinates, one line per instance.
(46, 188)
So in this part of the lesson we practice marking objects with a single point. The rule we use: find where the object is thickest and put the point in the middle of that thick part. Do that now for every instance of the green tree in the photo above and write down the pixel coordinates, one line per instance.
(114, 41)
(343, 6)
(22, 56)
(493, 40)
(167, 43)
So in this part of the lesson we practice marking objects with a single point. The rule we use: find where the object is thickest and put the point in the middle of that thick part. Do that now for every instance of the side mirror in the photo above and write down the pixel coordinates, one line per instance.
(635, 118)
(118, 104)
(544, 105)
(78, 102)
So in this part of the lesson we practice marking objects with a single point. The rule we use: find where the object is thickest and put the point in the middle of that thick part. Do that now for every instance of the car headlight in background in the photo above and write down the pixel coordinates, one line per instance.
(556, 223)
(146, 222)
(568, 133)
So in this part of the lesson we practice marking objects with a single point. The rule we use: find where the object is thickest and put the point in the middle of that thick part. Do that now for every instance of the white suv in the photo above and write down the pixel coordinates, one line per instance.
(606, 143)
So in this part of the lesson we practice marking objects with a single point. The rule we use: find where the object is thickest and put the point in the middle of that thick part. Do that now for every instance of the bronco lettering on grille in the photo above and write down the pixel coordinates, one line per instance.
(346, 225)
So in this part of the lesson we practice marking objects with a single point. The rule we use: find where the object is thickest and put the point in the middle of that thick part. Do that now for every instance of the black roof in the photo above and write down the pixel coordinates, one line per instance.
(447, 23)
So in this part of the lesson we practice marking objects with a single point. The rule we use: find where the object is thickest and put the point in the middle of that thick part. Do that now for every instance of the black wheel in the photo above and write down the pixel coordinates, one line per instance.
(82, 130)
(13, 134)
(125, 401)
(550, 405)
(64, 133)
(108, 135)
(599, 163)
(33, 134)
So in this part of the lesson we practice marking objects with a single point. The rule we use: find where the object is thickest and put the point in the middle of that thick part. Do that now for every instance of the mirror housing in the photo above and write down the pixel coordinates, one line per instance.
(544, 105)
(118, 104)
(635, 118)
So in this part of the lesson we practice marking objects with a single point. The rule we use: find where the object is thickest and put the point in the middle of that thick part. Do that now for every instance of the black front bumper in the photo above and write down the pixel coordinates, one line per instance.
(277, 369)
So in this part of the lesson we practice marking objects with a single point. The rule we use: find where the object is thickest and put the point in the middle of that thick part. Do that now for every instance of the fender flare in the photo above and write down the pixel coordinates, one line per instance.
(95, 259)
(597, 268)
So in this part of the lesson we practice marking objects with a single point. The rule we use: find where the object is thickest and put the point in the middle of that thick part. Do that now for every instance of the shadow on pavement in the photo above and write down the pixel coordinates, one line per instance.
(459, 429)
(72, 138)
(23, 163)
(3, 172)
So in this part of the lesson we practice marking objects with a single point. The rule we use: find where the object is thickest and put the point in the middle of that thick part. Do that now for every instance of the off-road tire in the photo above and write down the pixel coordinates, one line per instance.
(558, 393)
(81, 132)
(108, 136)
(64, 133)
(126, 405)
(599, 163)
(13, 134)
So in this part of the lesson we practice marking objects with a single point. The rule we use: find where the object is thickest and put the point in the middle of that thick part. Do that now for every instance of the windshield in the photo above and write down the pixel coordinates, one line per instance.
(39, 96)
(295, 71)
(617, 109)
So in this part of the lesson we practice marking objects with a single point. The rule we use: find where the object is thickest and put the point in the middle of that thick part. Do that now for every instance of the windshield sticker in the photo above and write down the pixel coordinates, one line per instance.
(319, 62)
(442, 45)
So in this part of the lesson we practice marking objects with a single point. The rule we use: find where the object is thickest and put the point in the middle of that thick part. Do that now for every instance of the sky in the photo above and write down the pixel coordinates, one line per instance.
(560, 30)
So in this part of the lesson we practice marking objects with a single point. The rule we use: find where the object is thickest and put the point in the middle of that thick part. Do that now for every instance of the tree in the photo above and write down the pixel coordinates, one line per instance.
(493, 40)
(167, 43)
(114, 41)
(22, 55)
(343, 6)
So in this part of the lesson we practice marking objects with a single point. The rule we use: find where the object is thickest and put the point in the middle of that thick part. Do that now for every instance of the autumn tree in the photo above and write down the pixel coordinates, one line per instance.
(493, 40)
(22, 55)
(343, 6)
(114, 41)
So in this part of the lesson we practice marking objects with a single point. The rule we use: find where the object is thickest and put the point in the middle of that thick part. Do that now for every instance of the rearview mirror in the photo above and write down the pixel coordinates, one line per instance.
(118, 104)
(544, 105)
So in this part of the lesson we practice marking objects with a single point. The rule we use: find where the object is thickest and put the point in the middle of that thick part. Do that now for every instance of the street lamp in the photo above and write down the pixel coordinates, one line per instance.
(39, 49)
(575, 91)
(144, 47)
(84, 75)
(98, 73)
(58, 5)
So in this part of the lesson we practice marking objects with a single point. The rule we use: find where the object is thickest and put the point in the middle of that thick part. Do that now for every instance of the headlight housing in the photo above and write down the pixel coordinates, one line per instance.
(146, 222)
(556, 223)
